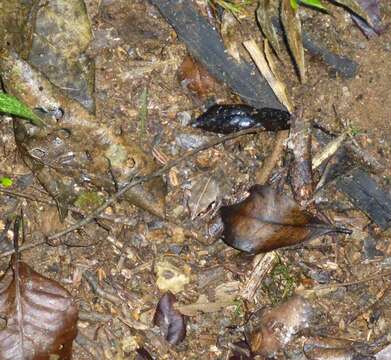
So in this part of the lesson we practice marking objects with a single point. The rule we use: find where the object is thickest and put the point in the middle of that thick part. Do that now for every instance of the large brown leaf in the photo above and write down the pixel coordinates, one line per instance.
(40, 316)
(268, 220)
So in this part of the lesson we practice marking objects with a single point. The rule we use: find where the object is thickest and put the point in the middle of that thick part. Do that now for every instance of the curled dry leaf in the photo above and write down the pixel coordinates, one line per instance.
(194, 77)
(268, 220)
(292, 27)
(265, 13)
(372, 8)
(225, 119)
(279, 325)
(41, 316)
(170, 321)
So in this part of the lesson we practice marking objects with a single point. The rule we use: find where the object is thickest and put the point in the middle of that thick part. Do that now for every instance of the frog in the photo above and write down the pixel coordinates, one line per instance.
(74, 150)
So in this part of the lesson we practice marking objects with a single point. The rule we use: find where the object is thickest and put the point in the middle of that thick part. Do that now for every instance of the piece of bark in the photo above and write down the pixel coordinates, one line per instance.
(206, 45)
(301, 170)
(366, 195)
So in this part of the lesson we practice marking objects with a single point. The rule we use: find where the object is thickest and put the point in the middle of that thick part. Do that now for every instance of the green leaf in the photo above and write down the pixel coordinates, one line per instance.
(313, 3)
(294, 4)
(6, 181)
(12, 106)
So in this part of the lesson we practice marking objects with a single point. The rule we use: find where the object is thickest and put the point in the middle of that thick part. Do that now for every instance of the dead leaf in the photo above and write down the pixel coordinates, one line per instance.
(372, 8)
(267, 220)
(229, 29)
(241, 351)
(225, 119)
(265, 13)
(170, 321)
(279, 325)
(195, 77)
(41, 316)
(356, 7)
(292, 27)
(203, 305)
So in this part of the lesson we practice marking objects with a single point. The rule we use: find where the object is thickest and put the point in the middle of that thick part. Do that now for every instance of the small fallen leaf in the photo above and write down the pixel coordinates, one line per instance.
(170, 321)
(268, 220)
(41, 316)
(372, 8)
(264, 16)
(356, 7)
(292, 27)
(225, 119)
(279, 325)
(195, 77)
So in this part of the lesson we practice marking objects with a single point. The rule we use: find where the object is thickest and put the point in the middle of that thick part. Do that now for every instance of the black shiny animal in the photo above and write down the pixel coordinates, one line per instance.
(225, 119)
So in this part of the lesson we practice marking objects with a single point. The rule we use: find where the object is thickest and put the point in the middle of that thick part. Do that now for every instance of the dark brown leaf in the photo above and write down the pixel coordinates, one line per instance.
(195, 77)
(225, 119)
(268, 220)
(41, 316)
(170, 321)
(241, 351)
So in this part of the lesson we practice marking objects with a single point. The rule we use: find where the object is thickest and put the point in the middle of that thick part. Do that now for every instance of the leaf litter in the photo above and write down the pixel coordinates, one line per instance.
(214, 330)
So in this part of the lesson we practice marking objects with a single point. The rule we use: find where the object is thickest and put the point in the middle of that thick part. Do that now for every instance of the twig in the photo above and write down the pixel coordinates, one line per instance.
(271, 160)
(98, 290)
(114, 219)
(263, 264)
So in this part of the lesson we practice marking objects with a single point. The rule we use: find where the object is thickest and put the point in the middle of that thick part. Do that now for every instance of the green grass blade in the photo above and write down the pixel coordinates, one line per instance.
(12, 106)
(314, 3)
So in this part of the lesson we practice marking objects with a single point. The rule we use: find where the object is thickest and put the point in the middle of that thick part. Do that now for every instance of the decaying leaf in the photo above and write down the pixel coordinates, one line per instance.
(41, 316)
(265, 13)
(267, 220)
(278, 326)
(170, 321)
(77, 149)
(225, 119)
(62, 33)
(356, 7)
(292, 27)
(230, 29)
(372, 8)
(194, 77)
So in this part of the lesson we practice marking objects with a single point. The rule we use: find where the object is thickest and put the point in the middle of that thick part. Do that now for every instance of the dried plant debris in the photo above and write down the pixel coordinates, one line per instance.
(225, 119)
(61, 36)
(171, 322)
(265, 13)
(292, 26)
(195, 78)
(41, 316)
(279, 325)
(76, 148)
(268, 220)
(241, 351)
(319, 348)
(372, 8)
